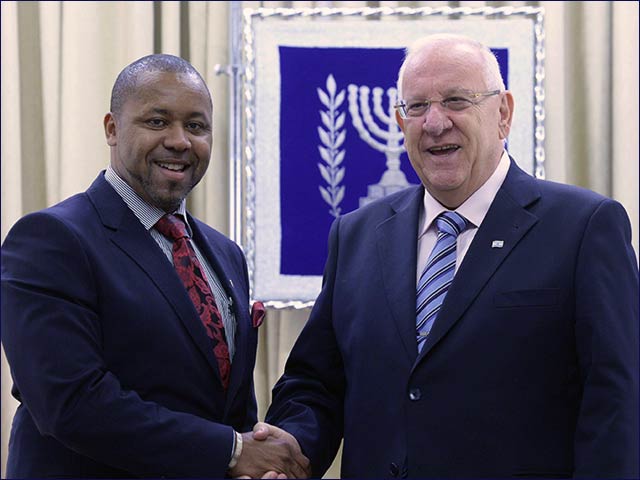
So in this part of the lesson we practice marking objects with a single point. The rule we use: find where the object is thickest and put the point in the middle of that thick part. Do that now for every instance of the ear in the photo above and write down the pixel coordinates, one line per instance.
(400, 121)
(506, 115)
(110, 129)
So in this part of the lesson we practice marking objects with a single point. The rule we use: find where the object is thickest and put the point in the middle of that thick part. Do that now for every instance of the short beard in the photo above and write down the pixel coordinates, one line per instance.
(168, 203)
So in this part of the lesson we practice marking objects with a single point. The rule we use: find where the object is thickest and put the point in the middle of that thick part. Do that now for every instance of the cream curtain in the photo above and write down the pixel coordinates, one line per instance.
(59, 60)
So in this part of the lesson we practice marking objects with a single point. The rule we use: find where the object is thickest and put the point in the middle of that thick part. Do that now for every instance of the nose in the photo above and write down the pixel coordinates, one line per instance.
(436, 120)
(176, 138)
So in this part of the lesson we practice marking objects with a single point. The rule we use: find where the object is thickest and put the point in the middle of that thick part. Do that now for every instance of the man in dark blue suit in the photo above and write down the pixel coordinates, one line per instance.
(484, 324)
(131, 346)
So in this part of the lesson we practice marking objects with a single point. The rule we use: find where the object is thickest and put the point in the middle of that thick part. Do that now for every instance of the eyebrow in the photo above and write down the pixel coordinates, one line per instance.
(449, 92)
(164, 111)
(453, 91)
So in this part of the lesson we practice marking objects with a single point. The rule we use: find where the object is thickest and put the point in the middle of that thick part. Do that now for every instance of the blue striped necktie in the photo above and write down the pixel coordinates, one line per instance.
(438, 273)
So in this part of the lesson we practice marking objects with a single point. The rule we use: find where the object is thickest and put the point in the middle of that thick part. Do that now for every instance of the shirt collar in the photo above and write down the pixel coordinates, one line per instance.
(474, 208)
(147, 214)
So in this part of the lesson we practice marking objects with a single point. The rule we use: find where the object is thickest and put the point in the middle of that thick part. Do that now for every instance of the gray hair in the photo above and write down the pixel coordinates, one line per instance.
(491, 69)
(127, 80)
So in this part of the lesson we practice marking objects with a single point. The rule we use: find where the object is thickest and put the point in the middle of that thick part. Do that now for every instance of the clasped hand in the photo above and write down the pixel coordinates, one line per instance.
(270, 452)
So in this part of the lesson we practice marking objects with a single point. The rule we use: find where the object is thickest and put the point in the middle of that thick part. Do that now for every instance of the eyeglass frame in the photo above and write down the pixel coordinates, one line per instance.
(401, 105)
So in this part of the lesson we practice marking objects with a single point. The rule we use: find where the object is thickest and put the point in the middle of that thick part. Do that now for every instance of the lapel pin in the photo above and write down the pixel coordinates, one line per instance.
(231, 283)
(497, 244)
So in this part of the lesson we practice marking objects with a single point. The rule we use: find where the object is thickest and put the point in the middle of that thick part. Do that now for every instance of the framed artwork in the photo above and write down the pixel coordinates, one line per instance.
(319, 136)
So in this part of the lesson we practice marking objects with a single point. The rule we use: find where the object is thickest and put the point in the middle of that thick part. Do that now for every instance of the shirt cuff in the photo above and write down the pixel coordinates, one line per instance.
(237, 450)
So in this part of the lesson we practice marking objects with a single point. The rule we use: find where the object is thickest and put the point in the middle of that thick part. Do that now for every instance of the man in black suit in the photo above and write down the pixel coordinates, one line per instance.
(482, 324)
(125, 320)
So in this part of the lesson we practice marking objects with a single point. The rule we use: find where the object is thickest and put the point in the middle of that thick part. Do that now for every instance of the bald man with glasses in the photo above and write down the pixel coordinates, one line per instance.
(482, 324)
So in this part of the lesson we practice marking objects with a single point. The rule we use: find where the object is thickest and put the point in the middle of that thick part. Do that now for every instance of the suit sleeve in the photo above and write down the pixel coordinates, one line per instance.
(606, 440)
(308, 398)
(52, 337)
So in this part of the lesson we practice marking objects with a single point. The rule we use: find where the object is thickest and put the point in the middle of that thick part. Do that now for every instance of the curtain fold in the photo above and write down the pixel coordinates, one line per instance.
(10, 168)
(59, 61)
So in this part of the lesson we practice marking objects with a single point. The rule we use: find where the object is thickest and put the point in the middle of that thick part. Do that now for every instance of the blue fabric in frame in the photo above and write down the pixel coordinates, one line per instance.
(306, 215)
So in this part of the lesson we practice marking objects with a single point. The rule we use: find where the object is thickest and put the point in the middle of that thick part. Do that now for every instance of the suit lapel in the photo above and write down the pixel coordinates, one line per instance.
(508, 221)
(128, 234)
(218, 259)
(396, 239)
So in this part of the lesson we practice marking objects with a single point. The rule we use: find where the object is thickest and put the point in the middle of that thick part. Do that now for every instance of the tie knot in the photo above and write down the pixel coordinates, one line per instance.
(451, 223)
(171, 227)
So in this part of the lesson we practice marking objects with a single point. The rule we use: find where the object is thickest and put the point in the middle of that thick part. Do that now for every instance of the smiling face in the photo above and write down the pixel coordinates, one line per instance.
(161, 139)
(453, 153)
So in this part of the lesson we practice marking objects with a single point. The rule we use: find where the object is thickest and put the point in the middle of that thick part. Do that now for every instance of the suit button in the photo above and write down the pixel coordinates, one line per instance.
(394, 470)
(415, 394)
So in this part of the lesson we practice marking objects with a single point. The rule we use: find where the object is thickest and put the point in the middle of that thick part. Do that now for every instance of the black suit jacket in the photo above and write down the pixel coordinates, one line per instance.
(111, 364)
(531, 368)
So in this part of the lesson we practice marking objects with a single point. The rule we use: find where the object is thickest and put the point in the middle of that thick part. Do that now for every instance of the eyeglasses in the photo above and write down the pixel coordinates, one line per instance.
(454, 103)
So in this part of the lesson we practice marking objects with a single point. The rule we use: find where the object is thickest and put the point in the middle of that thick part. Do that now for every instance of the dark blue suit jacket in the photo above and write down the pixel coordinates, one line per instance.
(531, 368)
(114, 372)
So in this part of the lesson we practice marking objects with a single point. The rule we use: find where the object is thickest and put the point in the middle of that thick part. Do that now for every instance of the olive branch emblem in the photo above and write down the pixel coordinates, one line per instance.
(332, 139)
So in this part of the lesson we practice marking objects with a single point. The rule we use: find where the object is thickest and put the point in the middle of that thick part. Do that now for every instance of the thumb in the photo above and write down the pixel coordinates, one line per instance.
(261, 431)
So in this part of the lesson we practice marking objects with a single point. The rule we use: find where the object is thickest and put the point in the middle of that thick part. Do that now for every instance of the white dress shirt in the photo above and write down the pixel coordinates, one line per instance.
(474, 209)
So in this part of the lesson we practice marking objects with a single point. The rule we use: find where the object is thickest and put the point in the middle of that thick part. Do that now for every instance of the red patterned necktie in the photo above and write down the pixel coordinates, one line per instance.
(190, 272)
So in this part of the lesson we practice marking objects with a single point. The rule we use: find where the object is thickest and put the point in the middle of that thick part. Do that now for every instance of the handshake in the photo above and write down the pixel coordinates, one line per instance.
(269, 452)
